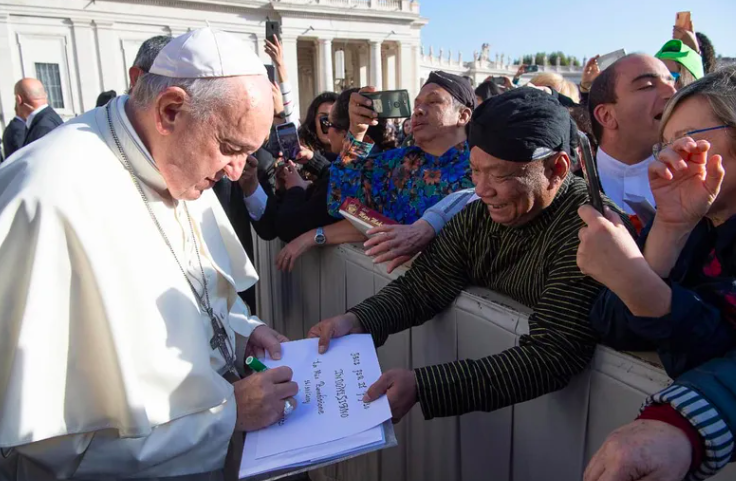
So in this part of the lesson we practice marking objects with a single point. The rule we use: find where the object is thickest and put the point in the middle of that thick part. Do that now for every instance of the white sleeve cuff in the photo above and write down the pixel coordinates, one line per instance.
(256, 203)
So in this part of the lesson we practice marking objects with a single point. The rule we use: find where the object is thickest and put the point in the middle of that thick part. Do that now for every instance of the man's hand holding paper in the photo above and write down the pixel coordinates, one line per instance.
(333, 328)
(399, 385)
(400, 388)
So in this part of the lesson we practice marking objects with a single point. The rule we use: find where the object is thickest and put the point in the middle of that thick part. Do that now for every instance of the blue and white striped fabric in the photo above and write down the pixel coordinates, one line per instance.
(718, 438)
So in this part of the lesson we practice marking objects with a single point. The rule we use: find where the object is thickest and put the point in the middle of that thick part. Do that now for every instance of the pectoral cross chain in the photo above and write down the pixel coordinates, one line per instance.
(220, 339)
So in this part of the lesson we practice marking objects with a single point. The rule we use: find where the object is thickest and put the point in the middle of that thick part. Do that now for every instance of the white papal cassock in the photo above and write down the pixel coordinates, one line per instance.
(106, 367)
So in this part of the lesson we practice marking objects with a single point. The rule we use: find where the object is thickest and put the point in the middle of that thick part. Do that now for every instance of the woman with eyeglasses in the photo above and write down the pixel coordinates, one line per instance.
(296, 205)
(678, 293)
(332, 230)
(316, 153)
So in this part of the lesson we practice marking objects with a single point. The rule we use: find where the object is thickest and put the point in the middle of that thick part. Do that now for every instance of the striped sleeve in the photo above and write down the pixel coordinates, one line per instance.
(434, 281)
(717, 437)
(560, 344)
(288, 99)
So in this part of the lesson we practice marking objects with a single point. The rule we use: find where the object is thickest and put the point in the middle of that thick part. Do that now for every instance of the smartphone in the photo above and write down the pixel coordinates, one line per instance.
(500, 81)
(273, 29)
(684, 21)
(271, 71)
(590, 172)
(605, 61)
(288, 140)
(391, 104)
(532, 68)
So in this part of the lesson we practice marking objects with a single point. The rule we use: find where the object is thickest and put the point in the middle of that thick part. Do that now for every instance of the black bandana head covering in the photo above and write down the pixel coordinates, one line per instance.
(458, 87)
(521, 125)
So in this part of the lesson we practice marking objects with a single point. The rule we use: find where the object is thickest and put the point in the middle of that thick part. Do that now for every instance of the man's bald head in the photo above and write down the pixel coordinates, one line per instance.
(31, 91)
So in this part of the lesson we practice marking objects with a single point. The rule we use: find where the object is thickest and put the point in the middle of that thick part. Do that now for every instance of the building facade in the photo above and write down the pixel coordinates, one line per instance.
(484, 65)
(80, 48)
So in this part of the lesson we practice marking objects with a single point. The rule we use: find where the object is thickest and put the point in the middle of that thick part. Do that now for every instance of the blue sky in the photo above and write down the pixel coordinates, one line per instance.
(577, 27)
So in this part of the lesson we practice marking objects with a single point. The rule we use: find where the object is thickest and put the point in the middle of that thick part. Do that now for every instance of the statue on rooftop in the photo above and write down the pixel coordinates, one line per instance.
(484, 52)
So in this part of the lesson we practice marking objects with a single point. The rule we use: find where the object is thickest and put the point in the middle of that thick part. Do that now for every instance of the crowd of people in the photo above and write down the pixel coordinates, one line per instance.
(129, 230)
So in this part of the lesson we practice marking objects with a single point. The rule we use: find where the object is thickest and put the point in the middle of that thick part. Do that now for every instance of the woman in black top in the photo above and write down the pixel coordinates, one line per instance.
(313, 135)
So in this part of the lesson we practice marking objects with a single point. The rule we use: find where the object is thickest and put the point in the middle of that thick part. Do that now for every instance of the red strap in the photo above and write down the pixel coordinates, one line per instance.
(667, 414)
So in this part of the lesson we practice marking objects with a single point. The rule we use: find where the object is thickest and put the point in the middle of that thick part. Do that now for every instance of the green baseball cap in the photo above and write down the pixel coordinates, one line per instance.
(677, 51)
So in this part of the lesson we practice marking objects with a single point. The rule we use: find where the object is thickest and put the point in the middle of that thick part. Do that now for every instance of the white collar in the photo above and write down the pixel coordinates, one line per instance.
(30, 118)
(140, 159)
(20, 118)
(609, 166)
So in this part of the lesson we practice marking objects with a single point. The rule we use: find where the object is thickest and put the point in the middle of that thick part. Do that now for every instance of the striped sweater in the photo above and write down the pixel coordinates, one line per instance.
(535, 264)
(705, 418)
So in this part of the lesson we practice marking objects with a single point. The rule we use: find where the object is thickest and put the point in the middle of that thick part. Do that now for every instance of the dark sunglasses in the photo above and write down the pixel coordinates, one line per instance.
(325, 124)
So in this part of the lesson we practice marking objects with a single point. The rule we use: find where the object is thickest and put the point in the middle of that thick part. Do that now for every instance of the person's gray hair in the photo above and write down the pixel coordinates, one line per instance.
(149, 50)
(457, 105)
(206, 95)
(719, 88)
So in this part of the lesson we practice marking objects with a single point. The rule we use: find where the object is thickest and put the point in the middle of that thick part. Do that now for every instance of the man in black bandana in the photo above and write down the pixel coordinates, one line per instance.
(520, 239)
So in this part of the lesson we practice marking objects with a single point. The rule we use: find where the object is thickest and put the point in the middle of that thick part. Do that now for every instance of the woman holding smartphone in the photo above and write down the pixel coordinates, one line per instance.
(676, 290)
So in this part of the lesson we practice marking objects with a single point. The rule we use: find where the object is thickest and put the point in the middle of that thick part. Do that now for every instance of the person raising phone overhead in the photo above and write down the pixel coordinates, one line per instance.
(402, 183)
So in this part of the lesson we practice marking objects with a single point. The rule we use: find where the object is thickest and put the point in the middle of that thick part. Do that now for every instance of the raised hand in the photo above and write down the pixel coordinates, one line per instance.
(590, 73)
(361, 114)
(685, 182)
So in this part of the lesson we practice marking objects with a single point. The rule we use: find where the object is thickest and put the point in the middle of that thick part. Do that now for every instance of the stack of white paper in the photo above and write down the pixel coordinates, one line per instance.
(331, 420)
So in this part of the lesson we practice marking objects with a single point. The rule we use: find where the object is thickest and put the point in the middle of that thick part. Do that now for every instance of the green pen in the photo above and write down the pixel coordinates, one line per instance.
(255, 364)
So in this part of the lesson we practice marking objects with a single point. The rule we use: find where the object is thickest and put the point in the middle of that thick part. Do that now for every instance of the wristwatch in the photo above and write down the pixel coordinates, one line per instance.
(319, 237)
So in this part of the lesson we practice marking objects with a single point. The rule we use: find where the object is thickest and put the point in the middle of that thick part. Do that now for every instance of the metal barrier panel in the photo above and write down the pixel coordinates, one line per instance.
(550, 438)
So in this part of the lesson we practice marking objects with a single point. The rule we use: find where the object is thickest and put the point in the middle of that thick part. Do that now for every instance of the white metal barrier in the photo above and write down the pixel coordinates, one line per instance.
(548, 439)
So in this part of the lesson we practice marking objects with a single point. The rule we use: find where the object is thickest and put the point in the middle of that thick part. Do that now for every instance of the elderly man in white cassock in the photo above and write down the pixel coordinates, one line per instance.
(122, 335)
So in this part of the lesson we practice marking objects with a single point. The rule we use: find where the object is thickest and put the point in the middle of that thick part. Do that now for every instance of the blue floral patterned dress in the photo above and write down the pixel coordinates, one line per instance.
(400, 183)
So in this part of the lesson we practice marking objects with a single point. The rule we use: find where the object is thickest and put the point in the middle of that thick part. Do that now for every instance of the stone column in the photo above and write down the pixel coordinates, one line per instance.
(417, 70)
(8, 79)
(376, 76)
(364, 62)
(327, 82)
(86, 61)
(108, 52)
(288, 44)
(408, 78)
(391, 59)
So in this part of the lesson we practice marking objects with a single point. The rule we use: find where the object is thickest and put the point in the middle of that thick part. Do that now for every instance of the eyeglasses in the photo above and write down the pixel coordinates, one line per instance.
(675, 75)
(659, 147)
(325, 124)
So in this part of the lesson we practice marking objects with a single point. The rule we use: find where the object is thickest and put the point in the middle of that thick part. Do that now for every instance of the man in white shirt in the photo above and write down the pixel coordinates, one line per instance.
(122, 337)
(626, 104)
